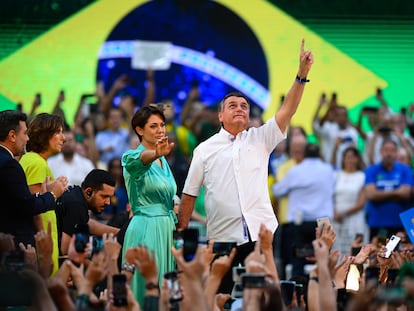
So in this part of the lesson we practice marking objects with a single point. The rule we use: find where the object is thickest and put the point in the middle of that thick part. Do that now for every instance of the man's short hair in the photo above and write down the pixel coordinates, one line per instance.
(10, 120)
(236, 94)
(312, 151)
(389, 141)
(97, 178)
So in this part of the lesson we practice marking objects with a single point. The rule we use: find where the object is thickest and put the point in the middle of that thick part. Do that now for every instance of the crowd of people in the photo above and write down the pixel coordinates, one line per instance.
(101, 215)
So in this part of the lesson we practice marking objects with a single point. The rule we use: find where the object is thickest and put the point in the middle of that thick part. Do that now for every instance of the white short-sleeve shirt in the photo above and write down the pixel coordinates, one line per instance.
(234, 173)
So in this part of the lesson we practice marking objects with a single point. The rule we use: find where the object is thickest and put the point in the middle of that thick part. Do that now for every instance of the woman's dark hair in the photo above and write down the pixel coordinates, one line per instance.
(41, 129)
(113, 163)
(141, 117)
(355, 152)
(10, 120)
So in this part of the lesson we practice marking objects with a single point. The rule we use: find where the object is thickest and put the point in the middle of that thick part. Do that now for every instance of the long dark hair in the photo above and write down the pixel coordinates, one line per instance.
(355, 151)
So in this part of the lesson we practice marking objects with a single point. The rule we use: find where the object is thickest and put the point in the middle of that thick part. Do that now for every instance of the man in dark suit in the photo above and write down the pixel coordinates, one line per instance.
(18, 205)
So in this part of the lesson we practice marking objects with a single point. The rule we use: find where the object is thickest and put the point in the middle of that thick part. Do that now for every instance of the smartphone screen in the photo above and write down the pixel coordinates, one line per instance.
(97, 245)
(178, 240)
(223, 248)
(299, 291)
(253, 280)
(190, 237)
(228, 303)
(286, 289)
(81, 237)
(304, 252)
(391, 245)
(392, 275)
(237, 272)
(173, 285)
(371, 274)
(352, 279)
(119, 290)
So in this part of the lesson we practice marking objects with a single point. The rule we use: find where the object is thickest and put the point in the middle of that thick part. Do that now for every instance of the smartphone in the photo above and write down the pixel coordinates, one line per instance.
(97, 245)
(190, 243)
(119, 290)
(304, 252)
(81, 237)
(237, 291)
(372, 274)
(322, 221)
(223, 248)
(355, 250)
(253, 280)
(178, 240)
(352, 278)
(174, 290)
(81, 240)
(391, 245)
(299, 291)
(228, 303)
(14, 260)
(237, 272)
(392, 275)
(286, 289)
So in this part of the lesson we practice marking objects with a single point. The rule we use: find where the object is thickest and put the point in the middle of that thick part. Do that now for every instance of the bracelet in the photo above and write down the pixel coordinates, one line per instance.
(301, 80)
(128, 267)
(82, 302)
(54, 195)
(314, 278)
(151, 285)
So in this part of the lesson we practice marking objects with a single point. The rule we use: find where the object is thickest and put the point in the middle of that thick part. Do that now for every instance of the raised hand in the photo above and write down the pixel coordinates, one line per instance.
(162, 147)
(146, 264)
(306, 60)
(29, 256)
(6, 242)
(57, 187)
(111, 246)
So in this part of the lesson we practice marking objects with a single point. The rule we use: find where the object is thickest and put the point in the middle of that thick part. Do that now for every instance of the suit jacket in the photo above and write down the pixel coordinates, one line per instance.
(17, 204)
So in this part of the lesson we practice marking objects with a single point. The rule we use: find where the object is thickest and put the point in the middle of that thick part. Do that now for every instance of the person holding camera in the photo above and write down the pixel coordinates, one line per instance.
(232, 166)
(73, 207)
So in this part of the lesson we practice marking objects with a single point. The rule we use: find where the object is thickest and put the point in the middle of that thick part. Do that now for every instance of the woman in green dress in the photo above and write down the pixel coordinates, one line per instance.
(151, 188)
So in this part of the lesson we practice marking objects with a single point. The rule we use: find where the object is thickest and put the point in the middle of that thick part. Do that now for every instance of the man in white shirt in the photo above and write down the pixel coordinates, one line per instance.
(310, 189)
(70, 164)
(233, 168)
